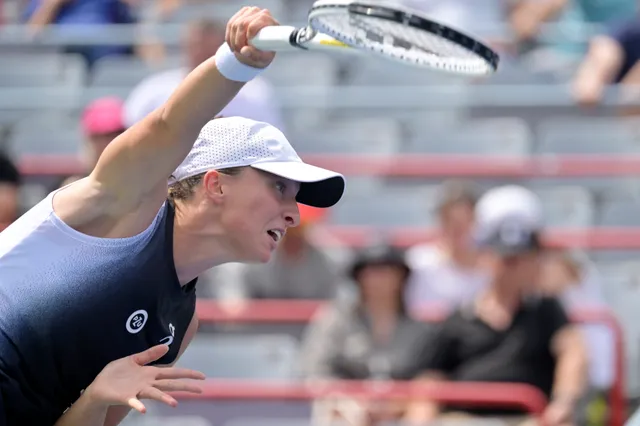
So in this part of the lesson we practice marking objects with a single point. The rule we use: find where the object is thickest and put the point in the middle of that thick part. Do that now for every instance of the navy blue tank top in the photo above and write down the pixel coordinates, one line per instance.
(71, 303)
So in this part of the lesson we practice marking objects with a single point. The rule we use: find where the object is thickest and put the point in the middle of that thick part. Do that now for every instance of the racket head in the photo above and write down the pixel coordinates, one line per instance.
(403, 35)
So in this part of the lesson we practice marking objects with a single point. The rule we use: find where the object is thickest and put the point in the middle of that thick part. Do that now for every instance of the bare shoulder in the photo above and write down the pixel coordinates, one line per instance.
(88, 208)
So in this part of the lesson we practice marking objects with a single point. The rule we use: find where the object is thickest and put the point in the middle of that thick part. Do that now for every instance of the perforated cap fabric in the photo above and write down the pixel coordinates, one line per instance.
(238, 142)
(508, 220)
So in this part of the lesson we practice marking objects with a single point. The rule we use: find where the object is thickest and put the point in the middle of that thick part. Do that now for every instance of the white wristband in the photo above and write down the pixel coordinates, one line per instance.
(231, 68)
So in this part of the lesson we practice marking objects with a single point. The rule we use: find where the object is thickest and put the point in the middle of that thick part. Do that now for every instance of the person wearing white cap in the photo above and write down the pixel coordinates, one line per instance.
(509, 332)
(97, 282)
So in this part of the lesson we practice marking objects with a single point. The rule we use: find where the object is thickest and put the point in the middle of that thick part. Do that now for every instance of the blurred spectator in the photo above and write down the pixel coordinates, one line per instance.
(561, 50)
(81, 17)
(577, 285)
(299, 269)
(255, 100)
(612, 58)
(510, 333)
(102, 122)
(371, 337)
(9, 191)
(447, 271)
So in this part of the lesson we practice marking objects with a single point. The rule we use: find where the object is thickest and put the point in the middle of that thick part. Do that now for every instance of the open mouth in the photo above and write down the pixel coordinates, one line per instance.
(275, 234)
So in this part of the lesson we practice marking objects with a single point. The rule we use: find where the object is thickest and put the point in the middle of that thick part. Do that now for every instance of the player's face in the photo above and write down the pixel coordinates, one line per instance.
(381, 284)
(521, 271)
(257, 210)
(457, 223)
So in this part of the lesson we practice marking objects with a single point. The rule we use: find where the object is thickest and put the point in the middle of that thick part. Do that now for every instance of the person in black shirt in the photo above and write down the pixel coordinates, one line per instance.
(508, 333)
(9, 183)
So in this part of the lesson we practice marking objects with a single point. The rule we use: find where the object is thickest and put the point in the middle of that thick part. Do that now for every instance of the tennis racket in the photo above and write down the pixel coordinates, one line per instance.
(386, 30)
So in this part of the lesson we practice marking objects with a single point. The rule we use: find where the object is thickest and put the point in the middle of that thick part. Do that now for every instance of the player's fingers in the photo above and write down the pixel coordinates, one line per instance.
(258, 57)
(231, 25)
(154, 353)
(263, 19)
(169, 385)
(238, 28)
(136, 405)
(157, 395)
(178, 373)
(241, 32)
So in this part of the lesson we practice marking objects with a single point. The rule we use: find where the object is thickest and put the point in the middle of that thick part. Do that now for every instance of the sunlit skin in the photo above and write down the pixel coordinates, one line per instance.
(235, 215)
(456, 223)
(516, 275)
(381, 288)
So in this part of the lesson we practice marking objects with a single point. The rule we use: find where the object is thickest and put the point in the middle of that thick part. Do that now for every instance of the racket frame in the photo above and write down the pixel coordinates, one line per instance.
(318, 36)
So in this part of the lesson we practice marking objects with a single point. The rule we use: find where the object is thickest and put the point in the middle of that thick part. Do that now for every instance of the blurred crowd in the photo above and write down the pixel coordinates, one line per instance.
(507, 296)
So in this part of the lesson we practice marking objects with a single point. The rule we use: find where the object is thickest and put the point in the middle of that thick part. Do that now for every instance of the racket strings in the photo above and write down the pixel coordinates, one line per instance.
(403, 38)
(402, 42)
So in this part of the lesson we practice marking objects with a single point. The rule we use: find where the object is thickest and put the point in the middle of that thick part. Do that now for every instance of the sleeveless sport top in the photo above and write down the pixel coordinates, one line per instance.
(72, 303)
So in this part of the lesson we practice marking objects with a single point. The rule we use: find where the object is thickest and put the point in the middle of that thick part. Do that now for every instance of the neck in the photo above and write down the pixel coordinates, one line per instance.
(461, 256)
(383, 311)
(383, 319)
(504, 295)
(194, 252)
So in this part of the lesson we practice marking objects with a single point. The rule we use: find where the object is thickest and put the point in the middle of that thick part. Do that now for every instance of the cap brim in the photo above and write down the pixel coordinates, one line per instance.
(318, 187)
(507, 250)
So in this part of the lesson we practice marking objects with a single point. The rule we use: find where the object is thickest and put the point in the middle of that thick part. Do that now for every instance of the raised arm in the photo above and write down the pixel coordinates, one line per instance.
(527, 16)
(598, 69)
(137, 164)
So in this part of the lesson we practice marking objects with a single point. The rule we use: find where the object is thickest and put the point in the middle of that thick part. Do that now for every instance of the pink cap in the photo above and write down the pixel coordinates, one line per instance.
(103, 116)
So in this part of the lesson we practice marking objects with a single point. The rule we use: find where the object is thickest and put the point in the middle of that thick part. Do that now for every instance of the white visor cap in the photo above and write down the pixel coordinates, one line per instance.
(239, 142)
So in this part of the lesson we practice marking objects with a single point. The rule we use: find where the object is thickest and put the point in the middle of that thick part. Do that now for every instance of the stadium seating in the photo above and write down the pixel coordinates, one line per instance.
(592, 136)
(568, 207)
(135, 419)
(368, 136)
(620, 214)
(238, 357)
(44, 134)
(386, 207)
(42, 69)
(478, 137)
(363, 107)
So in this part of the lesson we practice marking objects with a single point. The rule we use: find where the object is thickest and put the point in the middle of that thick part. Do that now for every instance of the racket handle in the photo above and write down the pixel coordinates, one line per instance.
(274, 38)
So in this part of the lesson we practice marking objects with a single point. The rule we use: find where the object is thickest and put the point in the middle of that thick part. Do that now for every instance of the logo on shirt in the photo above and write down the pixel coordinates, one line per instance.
(169, 339)
(136, 321)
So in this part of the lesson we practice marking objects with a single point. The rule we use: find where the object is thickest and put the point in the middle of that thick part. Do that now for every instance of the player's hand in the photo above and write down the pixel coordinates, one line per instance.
(559, 413)
(587, 92)
(241, 28)
(128, 380)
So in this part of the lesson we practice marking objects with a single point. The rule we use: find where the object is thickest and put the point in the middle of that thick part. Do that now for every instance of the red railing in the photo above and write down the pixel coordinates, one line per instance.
(524, 397)
(417, 165)
(280, 311)
(600, 238)
(596, 238)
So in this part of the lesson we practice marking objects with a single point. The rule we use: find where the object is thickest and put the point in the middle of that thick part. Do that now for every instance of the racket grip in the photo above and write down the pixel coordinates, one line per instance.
(274, 38)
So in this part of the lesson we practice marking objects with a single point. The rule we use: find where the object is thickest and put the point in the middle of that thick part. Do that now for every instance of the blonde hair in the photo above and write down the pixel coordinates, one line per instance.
(185, 188)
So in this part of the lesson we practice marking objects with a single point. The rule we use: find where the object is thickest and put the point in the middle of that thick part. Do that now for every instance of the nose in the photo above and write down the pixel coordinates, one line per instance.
(292, 215)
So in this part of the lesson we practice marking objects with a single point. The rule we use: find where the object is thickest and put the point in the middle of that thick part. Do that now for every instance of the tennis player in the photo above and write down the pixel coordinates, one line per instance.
(97, 282)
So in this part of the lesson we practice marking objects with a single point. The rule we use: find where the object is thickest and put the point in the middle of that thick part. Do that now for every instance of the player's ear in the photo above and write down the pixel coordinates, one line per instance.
(212, 185)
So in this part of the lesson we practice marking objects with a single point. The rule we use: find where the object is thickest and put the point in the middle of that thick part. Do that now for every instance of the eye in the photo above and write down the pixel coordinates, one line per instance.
(281, 187)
